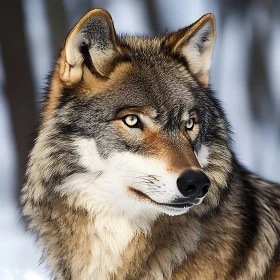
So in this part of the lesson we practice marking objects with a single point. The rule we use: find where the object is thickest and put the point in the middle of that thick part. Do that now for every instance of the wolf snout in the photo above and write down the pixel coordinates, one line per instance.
(193, 185)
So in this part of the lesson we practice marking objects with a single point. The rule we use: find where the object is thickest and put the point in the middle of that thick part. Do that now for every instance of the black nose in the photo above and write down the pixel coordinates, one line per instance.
(193, 184)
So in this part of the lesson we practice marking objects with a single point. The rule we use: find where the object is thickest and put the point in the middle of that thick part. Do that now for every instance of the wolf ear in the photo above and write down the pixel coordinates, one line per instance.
(92, 42)
(196, 43)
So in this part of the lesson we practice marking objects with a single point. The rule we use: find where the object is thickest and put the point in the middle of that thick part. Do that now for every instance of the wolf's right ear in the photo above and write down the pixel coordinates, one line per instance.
(195, 43)
(91, 42)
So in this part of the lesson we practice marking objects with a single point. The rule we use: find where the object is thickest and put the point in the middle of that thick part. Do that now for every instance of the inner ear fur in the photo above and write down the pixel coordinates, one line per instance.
(92, 42)
(195, 43)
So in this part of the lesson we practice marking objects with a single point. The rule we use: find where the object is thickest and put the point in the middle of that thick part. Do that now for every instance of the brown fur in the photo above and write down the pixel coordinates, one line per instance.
(276, 273)
(53, 100)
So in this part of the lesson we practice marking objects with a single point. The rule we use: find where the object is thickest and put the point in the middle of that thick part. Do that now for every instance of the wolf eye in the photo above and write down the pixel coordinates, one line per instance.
(131, 120)
(190, 124)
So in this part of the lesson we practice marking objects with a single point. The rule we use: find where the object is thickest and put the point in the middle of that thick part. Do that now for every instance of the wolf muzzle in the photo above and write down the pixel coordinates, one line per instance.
(194, 185)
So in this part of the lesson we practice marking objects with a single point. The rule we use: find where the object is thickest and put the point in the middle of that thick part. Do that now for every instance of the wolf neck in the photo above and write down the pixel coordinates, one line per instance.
(92, 246)
(108, 246)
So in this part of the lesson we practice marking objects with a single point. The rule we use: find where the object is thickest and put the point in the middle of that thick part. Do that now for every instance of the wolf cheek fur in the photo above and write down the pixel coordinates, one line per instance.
(124, 118)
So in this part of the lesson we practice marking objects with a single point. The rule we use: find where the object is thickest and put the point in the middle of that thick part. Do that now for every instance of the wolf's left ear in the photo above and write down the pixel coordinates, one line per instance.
(91, 43)
(196, 43)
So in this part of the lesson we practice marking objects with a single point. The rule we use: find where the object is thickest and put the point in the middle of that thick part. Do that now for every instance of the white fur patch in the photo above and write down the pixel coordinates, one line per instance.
(202, 156)
(89, 156)
(112, 235)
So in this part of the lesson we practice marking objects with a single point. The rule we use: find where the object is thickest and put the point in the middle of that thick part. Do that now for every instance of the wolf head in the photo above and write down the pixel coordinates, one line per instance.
(130, 125)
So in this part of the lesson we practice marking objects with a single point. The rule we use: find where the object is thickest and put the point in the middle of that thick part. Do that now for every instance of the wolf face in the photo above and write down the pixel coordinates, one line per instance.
(130, 125)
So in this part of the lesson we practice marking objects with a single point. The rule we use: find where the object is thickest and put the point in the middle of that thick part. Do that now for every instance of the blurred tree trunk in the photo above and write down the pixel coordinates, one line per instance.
(260, 92)
(153, 17)
(259, 89)
(19, 86)
(259, 16)
(57, 23)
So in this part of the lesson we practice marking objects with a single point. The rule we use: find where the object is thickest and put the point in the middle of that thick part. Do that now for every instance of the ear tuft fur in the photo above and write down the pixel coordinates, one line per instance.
(91, 42)
(196, 43)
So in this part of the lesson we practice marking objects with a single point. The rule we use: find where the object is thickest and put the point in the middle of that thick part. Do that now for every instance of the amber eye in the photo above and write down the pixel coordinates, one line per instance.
(190, 124)
(131, 121)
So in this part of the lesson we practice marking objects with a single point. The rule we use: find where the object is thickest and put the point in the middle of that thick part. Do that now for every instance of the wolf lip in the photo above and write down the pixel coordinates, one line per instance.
(177, 205)
(143, 196)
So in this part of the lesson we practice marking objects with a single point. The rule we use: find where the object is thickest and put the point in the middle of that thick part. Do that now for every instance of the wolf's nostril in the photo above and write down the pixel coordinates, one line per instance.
(205, 189)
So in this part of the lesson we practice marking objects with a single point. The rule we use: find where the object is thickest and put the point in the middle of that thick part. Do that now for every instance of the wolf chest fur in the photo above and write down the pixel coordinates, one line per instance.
(132, 175)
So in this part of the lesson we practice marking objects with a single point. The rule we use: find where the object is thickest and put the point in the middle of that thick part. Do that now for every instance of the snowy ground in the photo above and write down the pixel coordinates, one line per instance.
(19, 258)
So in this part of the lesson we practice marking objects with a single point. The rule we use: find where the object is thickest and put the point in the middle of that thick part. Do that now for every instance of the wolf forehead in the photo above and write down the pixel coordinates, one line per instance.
(159, 87)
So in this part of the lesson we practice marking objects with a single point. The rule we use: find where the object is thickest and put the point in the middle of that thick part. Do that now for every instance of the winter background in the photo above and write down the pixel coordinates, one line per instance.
(245, 75)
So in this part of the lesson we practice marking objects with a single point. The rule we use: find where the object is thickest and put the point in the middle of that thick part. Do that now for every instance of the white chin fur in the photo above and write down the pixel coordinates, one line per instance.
(175, 211)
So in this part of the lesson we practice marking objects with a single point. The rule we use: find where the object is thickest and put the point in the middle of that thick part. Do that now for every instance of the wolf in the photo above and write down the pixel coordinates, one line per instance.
(132, 174)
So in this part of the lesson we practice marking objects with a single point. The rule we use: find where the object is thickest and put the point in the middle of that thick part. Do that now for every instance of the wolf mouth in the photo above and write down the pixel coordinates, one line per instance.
(142, 196)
